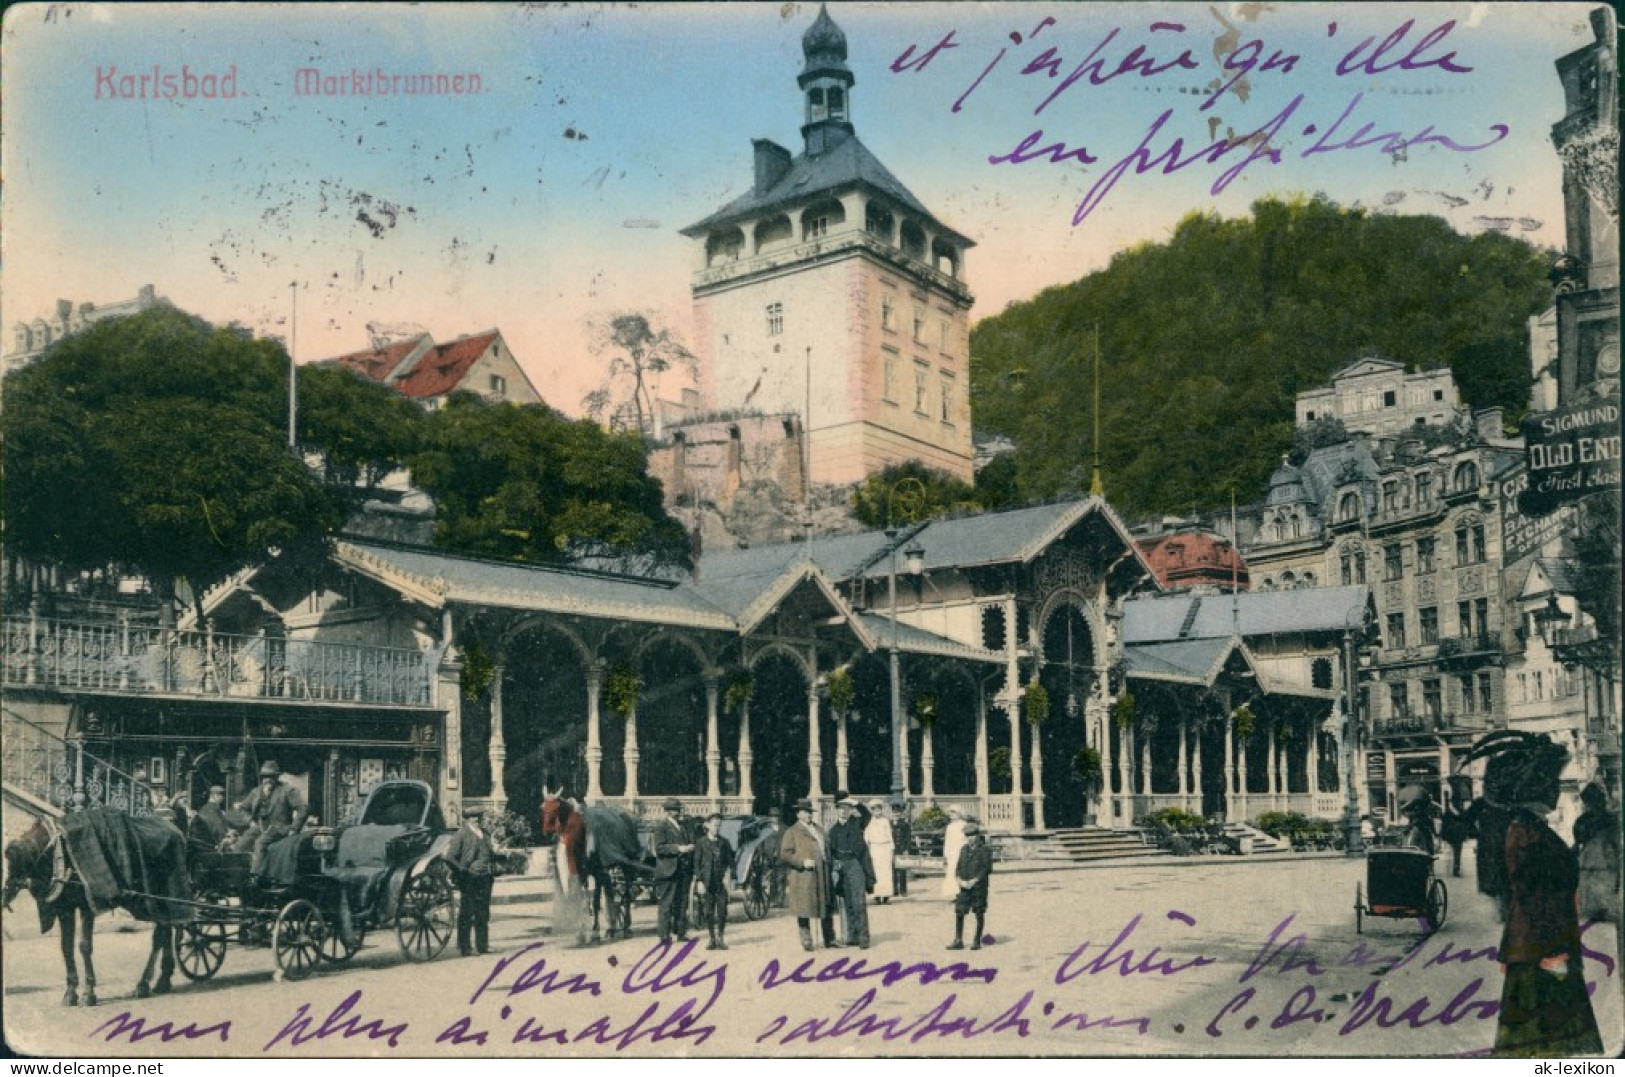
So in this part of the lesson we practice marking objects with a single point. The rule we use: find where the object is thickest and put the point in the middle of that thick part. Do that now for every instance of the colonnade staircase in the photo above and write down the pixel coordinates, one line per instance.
(40, 773)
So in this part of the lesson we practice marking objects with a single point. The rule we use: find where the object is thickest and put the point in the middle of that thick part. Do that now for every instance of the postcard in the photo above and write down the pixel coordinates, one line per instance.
(811, 530)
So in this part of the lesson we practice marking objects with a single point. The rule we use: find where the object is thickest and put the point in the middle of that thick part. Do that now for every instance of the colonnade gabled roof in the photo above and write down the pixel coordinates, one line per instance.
(1251, 614)
(1202, 662)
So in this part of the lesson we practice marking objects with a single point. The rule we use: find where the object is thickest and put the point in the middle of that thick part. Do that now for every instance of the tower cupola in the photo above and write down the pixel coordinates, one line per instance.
(826, 85)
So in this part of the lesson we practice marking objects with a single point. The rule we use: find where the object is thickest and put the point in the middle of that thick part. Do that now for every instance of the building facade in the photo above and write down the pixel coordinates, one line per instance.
(30, 339)
(830, 292)
(1379, 397)
(417, 367)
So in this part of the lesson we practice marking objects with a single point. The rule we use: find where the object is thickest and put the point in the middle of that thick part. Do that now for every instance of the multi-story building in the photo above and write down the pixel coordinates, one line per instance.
(1417, 518)
(30, 339)
(829, 291)
(1379, 397)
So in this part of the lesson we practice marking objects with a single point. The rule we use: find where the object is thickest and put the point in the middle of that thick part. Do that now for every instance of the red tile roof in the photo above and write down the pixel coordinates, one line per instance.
(1188, 558)
(378, 363)
(440, 369)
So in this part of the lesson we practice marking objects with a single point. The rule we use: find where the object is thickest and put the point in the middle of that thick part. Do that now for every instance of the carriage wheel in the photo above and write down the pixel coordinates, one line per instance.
(297, 939)
(622, 895)
(1359, 911)
(1438, 904)
(755, 900)
(336, 950)
(200, 946)
(425, 916)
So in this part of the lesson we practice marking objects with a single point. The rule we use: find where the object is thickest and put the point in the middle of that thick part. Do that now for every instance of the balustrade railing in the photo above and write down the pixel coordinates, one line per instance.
(121, 657)
(53, 770)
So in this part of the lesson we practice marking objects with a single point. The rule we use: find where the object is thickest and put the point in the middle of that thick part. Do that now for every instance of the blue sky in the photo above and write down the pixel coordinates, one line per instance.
(492, 210)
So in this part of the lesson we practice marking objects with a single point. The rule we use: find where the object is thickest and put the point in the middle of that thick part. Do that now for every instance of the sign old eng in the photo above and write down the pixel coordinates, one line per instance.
(1573, 453)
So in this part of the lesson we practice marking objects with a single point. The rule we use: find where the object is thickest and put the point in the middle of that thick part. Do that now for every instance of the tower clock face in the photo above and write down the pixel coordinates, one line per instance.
(1608, 361)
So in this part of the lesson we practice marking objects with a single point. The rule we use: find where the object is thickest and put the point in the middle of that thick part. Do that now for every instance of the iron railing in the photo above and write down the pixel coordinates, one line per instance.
(146, 659)
(50, 769)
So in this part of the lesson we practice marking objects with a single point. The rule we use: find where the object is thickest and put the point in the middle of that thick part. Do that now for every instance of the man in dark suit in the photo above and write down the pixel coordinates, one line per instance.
(471, 858)
(852, 873)
(674, 871)
(275, 809)
(209, 827)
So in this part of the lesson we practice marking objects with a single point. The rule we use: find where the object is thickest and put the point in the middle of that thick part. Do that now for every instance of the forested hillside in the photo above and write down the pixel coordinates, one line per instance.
(1205, 340)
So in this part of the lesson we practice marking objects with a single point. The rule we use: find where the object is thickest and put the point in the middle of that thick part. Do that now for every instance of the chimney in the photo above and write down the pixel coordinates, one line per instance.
(1488, 421)
(64, 310)
(148, 295)
(772, 162)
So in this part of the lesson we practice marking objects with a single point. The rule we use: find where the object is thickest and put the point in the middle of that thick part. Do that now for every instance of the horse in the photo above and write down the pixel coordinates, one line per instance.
(597, 852)
(38, 862)
(46, 859)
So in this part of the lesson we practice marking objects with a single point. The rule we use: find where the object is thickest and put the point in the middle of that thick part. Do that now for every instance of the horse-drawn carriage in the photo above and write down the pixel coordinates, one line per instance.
(322, 890)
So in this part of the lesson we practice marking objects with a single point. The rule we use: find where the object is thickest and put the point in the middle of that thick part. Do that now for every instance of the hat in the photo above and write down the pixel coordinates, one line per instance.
(473, 813)
(956, 813)
(803, 805)
(877, 804)
(847, 802)
(972, 826)
(713, 815)
(269, 769)
(673, 804)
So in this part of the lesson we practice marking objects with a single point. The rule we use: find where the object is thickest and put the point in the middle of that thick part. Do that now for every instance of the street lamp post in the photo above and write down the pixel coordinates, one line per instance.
(1351, 725)
(915, 556)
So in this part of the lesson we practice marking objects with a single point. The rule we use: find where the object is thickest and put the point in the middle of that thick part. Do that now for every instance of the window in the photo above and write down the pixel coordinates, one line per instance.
(1482, 608)
(1396, 630)
(1390, 497)
(1398, 701)
(1309, 416)
(888, 314)
(888, 383)
(1353, 566)
(1523, 688)
(1359, 566)
(775, 319)
(1432, 700)
(919, 327)
(1389, 399)
(1540, 689)
(1464, 615)
(947, 399)
(943, 346)
(1470, 544)
(919, 389)
(1429, 619)
(1348, 506)
(1478, 543)
(817, 226)
(1486, 693)
(1466, 477)
(1424, 555)
(1393, 564)
(1438, 394)
(499, 384)
(1469, 698)
(1424, 490)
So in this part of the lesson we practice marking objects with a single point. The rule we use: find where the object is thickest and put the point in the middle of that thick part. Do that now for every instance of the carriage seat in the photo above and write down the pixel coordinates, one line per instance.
(361, 861)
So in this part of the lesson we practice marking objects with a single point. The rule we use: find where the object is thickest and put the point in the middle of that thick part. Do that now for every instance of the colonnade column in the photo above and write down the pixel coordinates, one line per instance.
(1183, 787)
(1312, 764)
(595, 745)
(1241, 781)
(1145, 766)
(630, 752)
(1269, 764)
(1123, 740)
(449, 697)
(1099, 718)
(815, 756)
(981, 750)
(746, 756)
(713, 751)
(842, 757)
(498, 751)
(1196, 769)
(1229, 770)
(927, 761)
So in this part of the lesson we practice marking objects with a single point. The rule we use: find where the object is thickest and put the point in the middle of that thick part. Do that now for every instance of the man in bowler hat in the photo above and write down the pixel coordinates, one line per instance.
(802, 850)
(674, 870)
(275, 810)
(852, 872)
(470, 855)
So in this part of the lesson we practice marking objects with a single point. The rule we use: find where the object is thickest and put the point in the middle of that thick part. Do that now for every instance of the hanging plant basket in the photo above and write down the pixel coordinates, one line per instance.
(924, 709)
(1283, 734)
(478, 671)
(1126, 710)
(622, 689)
(841, 691)
(1088, 766)
(998, 763)
(1035, 703)
(738, 691)
(1245, 721)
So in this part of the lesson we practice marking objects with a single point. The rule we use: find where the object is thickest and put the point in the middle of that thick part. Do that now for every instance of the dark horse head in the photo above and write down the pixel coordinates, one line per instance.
(28, 863)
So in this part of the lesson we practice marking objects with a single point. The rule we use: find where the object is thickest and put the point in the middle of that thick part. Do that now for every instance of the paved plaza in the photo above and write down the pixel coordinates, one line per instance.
(1203, 955)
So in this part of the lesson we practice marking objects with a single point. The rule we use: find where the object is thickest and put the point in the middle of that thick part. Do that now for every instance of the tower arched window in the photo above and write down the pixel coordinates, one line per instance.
(1348, 506)
(1466, 477)
(837, 103)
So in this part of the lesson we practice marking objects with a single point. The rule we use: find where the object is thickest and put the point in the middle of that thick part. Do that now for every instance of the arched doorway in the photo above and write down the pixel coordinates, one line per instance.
(778, 733)
(544, 719)
(671, 721)
(1068, 674)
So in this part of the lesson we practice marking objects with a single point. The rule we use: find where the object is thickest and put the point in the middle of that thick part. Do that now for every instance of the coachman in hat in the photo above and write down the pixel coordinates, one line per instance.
(274, 809)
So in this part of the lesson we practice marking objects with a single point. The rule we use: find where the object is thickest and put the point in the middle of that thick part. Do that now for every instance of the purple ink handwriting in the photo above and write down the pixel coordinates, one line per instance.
(1303, 129)
(846, 970)
(341, 1022)
(1120, 958)
(942, 1021)
(135, 1029)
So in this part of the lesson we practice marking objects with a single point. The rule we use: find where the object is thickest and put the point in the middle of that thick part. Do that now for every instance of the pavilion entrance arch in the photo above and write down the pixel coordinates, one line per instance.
(1071, 670)
(672, 716)
(947, 773)
(779, 754)
(541, 703)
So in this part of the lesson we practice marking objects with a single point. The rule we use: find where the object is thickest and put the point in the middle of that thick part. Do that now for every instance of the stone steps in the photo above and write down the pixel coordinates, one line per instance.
(1084, 844)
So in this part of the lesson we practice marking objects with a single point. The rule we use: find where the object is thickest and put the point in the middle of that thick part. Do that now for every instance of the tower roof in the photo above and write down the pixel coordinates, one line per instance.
(824, 46)
(849, 164)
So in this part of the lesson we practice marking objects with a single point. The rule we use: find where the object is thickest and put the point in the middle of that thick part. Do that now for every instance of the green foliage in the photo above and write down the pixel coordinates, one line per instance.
(1087, 765)
(1245, 721)
(1207, 338)
(526, 484)
(157, 441)
(478, 671)
(1324, 431)
(362, 429)
(998, 764)
(1125, 710)
(924, 708)
(931, 818)
(841, 691)
(1035, 702)
(1284, 824)
(1173, 819)
(738, 691)
(509, 831)
(623, 687)
(909, 492)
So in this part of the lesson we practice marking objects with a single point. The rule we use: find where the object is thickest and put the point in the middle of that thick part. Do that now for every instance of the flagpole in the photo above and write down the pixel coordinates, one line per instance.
(293, 377)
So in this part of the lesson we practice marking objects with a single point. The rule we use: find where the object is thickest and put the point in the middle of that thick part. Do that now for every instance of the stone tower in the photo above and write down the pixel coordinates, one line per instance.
(828, 291)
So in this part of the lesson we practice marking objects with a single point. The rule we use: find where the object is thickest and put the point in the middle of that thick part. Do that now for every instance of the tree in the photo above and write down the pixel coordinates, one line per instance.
(152, 441)
(910, 492)
(362, 430)
(526, 484)
(1207, 339)
(637, 352)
